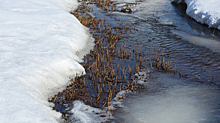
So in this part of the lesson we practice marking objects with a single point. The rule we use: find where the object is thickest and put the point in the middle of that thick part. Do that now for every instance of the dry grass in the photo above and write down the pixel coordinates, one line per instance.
(110, 66)
(107, 72)
(166, 66)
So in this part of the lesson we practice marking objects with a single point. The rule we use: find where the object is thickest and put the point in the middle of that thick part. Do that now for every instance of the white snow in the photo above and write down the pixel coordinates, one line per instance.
(86, 114)
(203, 11)
(41, 46)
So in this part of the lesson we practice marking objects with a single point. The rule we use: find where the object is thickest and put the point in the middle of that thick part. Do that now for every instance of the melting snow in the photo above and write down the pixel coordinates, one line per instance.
(41, 46)
(203, 11)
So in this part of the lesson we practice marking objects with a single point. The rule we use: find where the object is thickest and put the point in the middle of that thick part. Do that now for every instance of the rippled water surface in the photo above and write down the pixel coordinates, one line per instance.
(193, 48)
(189, 45)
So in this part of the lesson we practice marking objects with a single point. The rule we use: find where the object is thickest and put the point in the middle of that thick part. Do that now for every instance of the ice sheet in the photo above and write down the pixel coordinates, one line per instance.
(41, 46)
(171, 100)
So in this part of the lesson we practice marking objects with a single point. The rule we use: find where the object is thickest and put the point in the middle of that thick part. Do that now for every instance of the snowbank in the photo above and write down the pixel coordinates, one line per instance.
(203, 11)
(40, 47)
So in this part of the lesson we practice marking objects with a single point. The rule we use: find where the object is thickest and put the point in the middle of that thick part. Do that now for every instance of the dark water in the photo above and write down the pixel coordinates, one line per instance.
(166, 29)
(156, 30)
(163, 26)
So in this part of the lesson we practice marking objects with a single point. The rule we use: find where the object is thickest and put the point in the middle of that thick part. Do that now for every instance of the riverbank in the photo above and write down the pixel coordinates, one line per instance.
(202, 11)
(109, 68)
(113, 67)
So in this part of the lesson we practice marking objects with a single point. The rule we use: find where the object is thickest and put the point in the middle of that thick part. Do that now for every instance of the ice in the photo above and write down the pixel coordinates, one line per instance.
(86, 114)
(141, 77)
(173, 106)
(169, 100)
(212, 44)
(203, 11)
(41, 46)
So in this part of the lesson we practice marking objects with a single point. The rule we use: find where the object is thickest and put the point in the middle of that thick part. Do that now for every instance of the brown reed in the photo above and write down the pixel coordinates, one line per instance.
(106, 73)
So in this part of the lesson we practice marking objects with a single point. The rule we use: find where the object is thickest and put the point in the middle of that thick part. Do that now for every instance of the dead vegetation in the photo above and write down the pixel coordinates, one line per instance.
(110, 66)
(107, 70)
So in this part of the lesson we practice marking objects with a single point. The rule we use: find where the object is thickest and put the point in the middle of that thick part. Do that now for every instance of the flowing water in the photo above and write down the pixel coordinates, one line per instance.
(193, 48)
(192, 96)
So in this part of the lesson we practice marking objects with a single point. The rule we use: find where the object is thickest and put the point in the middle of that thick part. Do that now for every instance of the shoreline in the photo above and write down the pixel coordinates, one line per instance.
(202, 12)
(102, 72)
(106, 72)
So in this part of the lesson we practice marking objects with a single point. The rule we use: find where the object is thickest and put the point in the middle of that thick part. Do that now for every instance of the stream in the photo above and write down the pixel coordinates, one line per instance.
(193, 48)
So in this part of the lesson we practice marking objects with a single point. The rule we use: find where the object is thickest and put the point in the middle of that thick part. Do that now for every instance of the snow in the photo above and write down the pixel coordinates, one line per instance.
(41, 45)
(86, 114)
(127, 1)
(203, 11)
